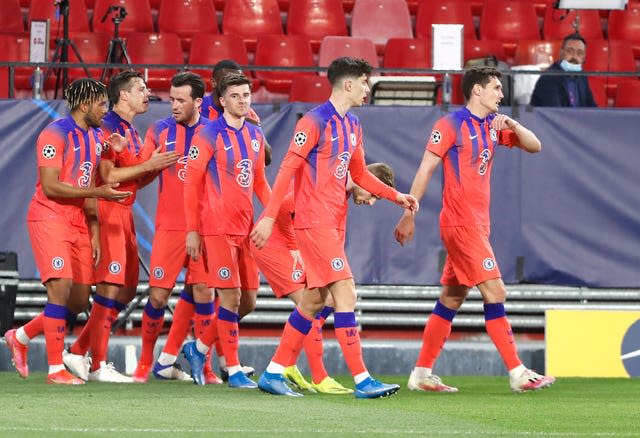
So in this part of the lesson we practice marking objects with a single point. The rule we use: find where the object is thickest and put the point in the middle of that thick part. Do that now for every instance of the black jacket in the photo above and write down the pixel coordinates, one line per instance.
(551, 90)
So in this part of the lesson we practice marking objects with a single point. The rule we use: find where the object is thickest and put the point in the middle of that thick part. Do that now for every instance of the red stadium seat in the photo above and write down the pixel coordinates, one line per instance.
(613, 55)
(211, 48)
(628, 94)
(138, 18)
(509, 21)
(251, 18)
(530, 52)
(482, 48)
(156, 48)
(93, 48)
(625, 25)
(444, 12)
(4, 83)
(380, 20)
(333, 47)
(45, 9)
(598, 86)
(283, 51)
(11, 17)
(407, 53)
(316, 19)
(556, 27)
(314, 89)
(187, 19)
(16, 48)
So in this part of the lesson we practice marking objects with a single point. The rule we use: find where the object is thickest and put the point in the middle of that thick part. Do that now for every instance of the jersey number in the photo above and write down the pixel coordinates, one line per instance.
(85, 177)
(343, 166)
(245, 177)
(182, 173)
(485, 156)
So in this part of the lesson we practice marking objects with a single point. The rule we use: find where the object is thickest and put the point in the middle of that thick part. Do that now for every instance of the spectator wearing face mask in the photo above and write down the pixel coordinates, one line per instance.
(565, 90)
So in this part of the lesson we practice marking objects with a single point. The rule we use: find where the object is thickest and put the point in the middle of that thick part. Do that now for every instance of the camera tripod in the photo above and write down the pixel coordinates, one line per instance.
(117, 53)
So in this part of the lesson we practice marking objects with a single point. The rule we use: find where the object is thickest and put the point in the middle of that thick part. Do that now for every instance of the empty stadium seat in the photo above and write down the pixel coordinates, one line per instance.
(138, 18)
(4, 82)
(251, 18)
(282, 51)
(380, 20)
(333, 47)
(407, 53)
(625, 25)
(559, 23)
(187, 18)
(46, 9)
(314, 89)
(93, 48)
(156, 48)
(11, 17)
(509, 21)
(444, 12)
(531, 52)
(316, 19)
(612, 55)
(628, 94)
(598, 86)
(474, 49)
(16, 48)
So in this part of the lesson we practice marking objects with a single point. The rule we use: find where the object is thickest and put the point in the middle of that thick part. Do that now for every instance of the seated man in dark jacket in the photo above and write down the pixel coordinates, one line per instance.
(565, 90)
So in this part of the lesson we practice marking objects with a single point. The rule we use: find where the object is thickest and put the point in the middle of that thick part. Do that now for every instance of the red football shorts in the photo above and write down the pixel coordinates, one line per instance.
(470, 259)
(119, 260)
(276, 264)
(169, 256)
(323, 253)
(229, 262)
(62, 249)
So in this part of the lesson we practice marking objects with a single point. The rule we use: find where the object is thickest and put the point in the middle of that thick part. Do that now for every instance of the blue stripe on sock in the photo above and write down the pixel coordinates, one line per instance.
(325, 312)
(443, 311)
(344, 319)
(227, 315)
(494, 311)
(103, 301)
(299, 322)
(152, 312)
(184, 295)
(204, 308)
(55, 311)
(119, 306)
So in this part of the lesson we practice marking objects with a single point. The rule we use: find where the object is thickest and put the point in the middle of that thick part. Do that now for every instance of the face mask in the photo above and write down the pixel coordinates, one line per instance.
(568, 66)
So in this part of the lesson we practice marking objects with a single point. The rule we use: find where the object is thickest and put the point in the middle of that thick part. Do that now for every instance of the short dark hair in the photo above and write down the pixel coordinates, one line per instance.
(478, 75)
(119, 82)
(225, 64)
(384, 173)
(232, 79)
(345, 67)
(187, 78)
(84, 91)
(573, 37)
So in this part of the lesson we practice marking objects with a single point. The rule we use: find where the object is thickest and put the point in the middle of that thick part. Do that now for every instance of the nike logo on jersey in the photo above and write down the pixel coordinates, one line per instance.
(335, 138)
(473, 137)
(76, 148)
(167, 143)
(226, 148)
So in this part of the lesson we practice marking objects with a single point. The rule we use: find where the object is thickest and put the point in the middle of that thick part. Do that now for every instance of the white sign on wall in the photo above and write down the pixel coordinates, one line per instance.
(39, 41)
(446, 50)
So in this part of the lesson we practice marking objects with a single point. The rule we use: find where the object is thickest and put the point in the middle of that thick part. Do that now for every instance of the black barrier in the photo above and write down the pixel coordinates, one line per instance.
(8, 289)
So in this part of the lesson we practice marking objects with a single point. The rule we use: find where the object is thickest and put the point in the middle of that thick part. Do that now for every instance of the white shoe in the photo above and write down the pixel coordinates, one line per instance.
(77, 364)
(171, 372)
(108, 373)
(529, 380)
(431, 383)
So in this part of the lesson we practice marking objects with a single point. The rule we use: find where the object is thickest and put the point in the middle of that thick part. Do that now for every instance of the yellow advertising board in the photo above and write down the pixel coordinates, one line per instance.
(592, 343)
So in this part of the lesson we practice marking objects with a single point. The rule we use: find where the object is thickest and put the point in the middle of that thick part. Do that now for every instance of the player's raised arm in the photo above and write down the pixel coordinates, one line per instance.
(525, 138)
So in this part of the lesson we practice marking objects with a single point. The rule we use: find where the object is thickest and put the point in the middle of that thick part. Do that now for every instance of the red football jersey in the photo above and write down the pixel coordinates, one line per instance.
(466, 145)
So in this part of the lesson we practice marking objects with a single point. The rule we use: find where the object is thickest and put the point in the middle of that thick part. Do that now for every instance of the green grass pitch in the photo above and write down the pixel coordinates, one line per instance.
(484, 407)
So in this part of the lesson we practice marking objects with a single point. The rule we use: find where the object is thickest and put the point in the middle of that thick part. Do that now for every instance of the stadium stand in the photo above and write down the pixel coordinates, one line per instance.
(211, 48)
(249, 19)
(138, 19)
(625, 25)
(316, 19)
(559, 23)
(47, 10)
(187, 19)
(93, 48)
(444, 12)
(11, 18)
(314, 89)
(530, 52)
(156, 48)
(609, 56)
(380, 20)
(628, 94)
(333, 47)
(282, 51)
(15, 47)
(407, 53)
(509, 22)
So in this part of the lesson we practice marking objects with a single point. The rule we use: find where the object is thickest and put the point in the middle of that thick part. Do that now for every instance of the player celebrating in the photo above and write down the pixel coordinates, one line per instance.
(327, 146)
(281, 264)
(117, 272)
(226, 160)
(465, 142)
(68, 151)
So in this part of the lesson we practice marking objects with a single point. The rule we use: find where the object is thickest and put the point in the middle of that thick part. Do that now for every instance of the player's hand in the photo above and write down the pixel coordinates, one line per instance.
(117, 142)
(194, 247)
(408, 202)
(107, 191)
(405, 229)
(261, 232)
(161, 160)
(95, 248)
(503, 121)
(297, 259)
